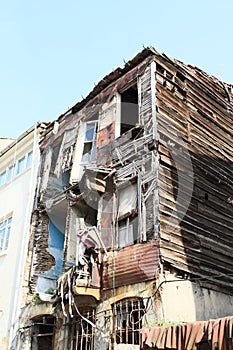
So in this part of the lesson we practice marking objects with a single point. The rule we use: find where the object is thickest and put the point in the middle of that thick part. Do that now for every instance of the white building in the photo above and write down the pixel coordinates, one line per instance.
(19, 161)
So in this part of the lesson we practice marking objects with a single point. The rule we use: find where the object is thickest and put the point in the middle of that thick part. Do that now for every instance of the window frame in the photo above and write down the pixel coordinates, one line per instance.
(3, 177)
(93, 142)
(8, 176)
(127, 321)
(127, 221)
(5, 226)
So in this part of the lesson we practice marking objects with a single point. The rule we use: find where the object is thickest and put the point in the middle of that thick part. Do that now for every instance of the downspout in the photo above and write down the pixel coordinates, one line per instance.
(25, 240)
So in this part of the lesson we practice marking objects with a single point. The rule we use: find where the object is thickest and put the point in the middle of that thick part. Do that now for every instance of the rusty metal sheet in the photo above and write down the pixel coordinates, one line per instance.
(132, 264)
(187, 335)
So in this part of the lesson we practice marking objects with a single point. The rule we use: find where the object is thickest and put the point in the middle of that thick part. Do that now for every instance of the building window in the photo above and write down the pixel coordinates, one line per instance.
(10, 173)
(5, 228)
(82, 330)
(129, 108)
(127, 231)
(3, 178)
(127, 216)
(89, 147)
(17, 168)
(20, 165)
(127, 321)
(29, 160)
(43, 333)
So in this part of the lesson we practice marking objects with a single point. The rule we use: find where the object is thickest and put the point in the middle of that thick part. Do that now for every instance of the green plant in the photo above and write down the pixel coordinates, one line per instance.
(51, 291)
(36, 299)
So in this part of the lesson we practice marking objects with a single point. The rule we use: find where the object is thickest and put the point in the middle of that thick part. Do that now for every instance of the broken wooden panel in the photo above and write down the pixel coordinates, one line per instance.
(42, 259)
(193, 115)
(132, 264)
(106, 135)
(109, 111)
(146, 100)
(104, 144)
(57, 159)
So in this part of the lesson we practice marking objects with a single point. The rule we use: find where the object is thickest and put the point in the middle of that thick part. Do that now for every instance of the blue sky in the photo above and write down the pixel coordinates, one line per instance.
(53, 52)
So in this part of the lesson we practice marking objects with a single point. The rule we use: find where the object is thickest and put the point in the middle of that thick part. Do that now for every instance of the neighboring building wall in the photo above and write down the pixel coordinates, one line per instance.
(180, 300)
(4, 142)
(20, 161)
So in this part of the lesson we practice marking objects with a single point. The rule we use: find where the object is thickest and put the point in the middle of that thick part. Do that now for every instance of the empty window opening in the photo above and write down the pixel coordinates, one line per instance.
(43, 333)
(160, 69)
(180, 76)
(129, 108)
(127, 321)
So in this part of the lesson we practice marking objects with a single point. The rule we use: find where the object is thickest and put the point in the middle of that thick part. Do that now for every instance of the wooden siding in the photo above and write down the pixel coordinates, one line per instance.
(194, 113)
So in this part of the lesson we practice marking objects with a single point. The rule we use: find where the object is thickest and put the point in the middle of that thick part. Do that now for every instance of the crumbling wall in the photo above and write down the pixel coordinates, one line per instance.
(42, 259)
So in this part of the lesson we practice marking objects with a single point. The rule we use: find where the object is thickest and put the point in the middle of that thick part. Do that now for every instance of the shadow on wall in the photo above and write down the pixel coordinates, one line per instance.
(196, 228)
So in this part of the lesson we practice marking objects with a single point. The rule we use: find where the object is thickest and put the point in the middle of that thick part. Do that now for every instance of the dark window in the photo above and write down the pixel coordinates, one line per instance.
(129, 108)
(43, 333)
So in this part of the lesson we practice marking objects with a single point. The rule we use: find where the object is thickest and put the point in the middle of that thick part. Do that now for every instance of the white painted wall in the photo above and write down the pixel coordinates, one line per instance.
(16, 197)
(187, 301)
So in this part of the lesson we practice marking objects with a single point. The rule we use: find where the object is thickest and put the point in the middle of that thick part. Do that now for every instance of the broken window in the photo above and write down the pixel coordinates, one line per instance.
(127, 321)
(129, 108)
(5, 229)
(127, 216)
(89, 147)
(43, 333)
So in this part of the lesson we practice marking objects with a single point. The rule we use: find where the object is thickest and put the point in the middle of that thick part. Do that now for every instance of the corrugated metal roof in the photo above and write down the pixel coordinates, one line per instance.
(132, 264)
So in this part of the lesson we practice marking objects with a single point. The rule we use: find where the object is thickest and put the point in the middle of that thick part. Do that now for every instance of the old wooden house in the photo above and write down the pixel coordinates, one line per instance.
(132, 227)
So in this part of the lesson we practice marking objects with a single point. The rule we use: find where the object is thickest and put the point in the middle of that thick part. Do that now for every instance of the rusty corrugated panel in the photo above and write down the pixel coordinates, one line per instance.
(218, 334)
(132, 264)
